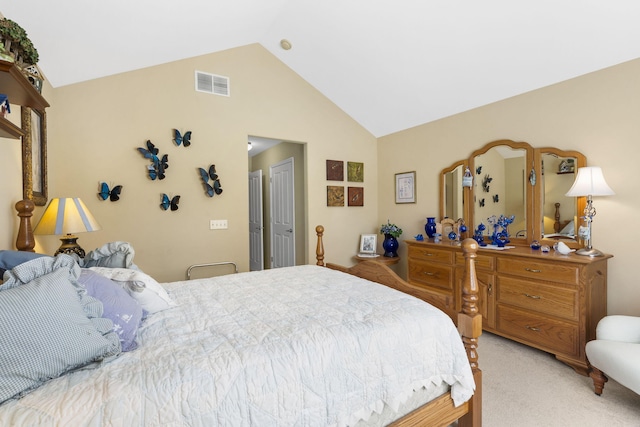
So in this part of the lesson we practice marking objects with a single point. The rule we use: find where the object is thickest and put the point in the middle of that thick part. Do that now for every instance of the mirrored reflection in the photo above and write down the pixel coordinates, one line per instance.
(558, 210)
(500, 178)
(452, 193)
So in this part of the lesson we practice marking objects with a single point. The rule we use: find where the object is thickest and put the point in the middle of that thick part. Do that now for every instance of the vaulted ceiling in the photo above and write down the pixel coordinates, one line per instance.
(389, 64)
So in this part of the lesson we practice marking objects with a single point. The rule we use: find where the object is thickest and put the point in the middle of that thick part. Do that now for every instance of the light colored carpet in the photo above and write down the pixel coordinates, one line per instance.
(526, 387)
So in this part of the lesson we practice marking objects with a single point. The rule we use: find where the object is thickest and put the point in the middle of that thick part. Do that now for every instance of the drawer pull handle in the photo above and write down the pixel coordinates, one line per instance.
(531, 328)
(427, 254)
(532, 270)
(430, 274)
(532, 296)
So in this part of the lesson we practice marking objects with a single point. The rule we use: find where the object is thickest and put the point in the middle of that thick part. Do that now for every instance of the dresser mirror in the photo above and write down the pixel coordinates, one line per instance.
(513, 178)
(452, 192)
(559, 214)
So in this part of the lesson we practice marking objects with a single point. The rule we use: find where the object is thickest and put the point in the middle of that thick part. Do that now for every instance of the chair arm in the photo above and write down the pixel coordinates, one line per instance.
(619, 328)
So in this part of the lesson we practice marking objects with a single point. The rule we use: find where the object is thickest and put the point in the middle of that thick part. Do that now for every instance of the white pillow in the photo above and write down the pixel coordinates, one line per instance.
(142, 287)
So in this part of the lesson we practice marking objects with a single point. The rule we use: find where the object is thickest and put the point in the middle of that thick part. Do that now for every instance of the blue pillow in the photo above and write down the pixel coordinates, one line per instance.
(124, 311)
(9, 259)
(50, 325)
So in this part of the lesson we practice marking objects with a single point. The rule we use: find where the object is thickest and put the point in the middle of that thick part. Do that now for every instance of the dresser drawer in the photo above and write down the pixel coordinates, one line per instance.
(540, 270)
(545, 299)
(442, 256)
(555, 336)
(431, 274)
(483, 262)
(444, 301)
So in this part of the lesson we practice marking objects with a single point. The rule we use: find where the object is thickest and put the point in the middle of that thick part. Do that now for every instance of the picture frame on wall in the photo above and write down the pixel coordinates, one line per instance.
(34, 156)
(355, 171)
(355, 196)
(335, 170)
(335, 195)
(368, 244)
(406, 187)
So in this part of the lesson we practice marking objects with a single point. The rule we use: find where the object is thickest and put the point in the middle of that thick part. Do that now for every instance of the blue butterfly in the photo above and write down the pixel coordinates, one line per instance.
(159, 164)
(216, 187)
(105, 193)
(169, 203)
(182, 139)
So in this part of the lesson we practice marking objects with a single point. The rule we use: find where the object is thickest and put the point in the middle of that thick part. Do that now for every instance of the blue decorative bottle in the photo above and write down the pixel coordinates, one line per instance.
(430, 227)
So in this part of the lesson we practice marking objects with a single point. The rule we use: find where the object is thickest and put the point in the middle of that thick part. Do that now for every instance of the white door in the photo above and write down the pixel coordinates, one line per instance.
(283, 250)
(256, 252)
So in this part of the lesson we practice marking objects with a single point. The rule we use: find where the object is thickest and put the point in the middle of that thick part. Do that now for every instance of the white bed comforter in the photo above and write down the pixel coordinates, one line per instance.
(301, 346)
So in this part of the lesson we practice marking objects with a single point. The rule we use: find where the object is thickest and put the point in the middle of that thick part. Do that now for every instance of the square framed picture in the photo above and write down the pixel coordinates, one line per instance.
(355, 172)
(368, 243)
(335, 195)
(335, 170)
(406, 187)
(355, 196)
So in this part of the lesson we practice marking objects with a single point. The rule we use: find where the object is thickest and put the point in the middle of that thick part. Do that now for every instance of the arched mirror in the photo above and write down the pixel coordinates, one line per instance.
(501, 186)
(451, 191)
(559, 214)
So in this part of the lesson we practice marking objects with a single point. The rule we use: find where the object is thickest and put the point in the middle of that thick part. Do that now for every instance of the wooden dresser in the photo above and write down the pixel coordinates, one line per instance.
(549, 301)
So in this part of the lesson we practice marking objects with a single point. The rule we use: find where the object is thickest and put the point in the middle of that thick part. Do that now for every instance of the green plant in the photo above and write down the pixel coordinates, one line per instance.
(10, 30)
(391, 229)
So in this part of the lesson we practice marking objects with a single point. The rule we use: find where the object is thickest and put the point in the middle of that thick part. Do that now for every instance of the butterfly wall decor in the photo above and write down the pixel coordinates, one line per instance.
(215, 186)
(485, 183)
(158, 164)
(113, 194)
(496, 199)
(478, 170)
(481, 203)
(169, 203)
(182, 139)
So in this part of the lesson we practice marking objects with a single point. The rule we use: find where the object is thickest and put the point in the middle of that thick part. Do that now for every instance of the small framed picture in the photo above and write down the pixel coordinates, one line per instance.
(356, 196)
(368, 243)
(406, 187)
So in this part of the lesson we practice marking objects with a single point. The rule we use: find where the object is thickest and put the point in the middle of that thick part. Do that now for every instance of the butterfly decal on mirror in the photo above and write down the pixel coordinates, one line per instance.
(182, 139)
(169, 203)
(485, 183)
(113, 194)
(496, 199)
(158, 164)
(478, 170)
(215, 186)
(481, 203)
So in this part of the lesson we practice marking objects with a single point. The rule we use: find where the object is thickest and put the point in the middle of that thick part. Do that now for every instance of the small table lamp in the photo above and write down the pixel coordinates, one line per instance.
(589, 182)
(67, 216)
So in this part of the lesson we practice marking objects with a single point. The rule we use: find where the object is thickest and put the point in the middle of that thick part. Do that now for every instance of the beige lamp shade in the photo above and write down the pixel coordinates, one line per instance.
(590, 182)
(66, 216)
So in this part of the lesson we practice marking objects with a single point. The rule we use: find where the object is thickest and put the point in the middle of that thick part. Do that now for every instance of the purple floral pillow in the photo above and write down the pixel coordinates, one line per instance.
(124, 311)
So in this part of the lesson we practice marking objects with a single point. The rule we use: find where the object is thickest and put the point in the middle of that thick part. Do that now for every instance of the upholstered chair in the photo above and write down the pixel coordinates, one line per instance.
(615, 352)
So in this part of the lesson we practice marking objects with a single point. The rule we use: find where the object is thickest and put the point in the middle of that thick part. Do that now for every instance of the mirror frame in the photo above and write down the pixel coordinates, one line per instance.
(533, 196)
(465, 205)
(581, 161)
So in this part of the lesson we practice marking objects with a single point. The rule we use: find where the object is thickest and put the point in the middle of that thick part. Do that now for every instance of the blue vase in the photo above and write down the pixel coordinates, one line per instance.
(430, 227)
(390, 246)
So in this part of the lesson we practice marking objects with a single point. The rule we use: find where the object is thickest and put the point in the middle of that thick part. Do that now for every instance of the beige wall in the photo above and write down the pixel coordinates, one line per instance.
(596, 114)
(96, 126)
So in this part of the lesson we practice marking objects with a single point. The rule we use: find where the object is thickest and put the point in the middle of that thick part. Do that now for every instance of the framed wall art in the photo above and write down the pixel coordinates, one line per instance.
(406, 187)
(34, 156)
(335, 195)
(355, 196)
(335, 170)
(355, 172)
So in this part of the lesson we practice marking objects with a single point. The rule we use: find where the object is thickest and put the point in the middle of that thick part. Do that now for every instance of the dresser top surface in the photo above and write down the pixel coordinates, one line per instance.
(519, 251)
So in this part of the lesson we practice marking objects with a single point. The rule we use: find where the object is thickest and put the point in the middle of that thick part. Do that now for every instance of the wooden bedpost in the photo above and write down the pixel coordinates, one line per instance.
(320, 246)
(470, 327)
(25, 240)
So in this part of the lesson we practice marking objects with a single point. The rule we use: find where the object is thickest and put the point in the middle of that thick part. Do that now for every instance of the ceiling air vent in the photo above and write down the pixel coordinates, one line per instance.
(211, 83)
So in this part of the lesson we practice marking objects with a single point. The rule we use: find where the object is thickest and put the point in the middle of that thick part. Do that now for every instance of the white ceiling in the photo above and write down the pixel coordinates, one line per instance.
(389, 64)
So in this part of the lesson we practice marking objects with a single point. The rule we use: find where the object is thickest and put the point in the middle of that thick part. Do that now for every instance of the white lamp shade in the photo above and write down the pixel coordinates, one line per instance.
(66, 216)
(590, 182)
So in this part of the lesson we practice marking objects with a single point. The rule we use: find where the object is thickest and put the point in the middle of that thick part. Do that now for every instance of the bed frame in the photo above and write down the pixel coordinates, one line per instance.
(440, 411)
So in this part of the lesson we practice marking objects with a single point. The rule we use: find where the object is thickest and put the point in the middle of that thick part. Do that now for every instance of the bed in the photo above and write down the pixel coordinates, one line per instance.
(299, 346)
